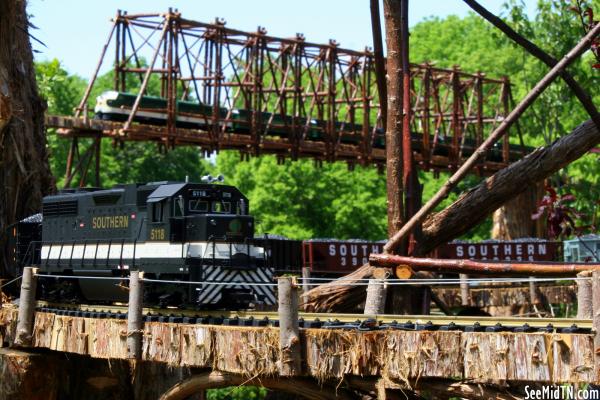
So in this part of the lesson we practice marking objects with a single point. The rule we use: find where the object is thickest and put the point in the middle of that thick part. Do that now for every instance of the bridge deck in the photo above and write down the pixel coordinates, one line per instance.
(327, 353)
(268, 144)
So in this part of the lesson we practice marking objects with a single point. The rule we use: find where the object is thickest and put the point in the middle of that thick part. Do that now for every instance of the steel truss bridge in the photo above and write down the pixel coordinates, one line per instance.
(298, 99)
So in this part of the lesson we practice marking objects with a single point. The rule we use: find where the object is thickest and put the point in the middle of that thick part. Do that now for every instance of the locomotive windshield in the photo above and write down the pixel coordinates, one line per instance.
(215, 200)
(221, 207)
(198, 206)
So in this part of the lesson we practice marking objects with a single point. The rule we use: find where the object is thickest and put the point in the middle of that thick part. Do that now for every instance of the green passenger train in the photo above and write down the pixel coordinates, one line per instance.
(116, 106)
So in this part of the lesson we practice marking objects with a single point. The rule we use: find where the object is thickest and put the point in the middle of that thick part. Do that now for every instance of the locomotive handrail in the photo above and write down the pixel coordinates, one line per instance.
(108, 253)
(84, 249)
(48, 256)
(121, 255)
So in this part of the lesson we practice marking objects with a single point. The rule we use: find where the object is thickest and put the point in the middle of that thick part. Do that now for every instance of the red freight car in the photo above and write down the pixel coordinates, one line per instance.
(337, 256)
(329, 256)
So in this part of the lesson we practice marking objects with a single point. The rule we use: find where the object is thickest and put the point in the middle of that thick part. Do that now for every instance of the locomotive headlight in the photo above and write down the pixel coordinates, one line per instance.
(235, 226)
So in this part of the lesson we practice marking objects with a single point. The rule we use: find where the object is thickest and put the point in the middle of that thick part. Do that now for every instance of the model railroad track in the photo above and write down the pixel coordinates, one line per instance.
(329, 321)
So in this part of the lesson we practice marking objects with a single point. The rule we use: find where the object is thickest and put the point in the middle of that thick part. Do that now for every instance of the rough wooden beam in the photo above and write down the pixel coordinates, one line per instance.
(472, 207)
(584, 295)
(26, 307)
(134, 316)
(596, 322)
(481, 267)
(306, 388)
(379, 59)
(376, 294)
(394, 112)
(289, 330)
(26, 375)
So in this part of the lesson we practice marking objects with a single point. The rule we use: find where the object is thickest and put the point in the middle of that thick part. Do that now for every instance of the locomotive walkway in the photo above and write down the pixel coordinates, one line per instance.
(320, 363)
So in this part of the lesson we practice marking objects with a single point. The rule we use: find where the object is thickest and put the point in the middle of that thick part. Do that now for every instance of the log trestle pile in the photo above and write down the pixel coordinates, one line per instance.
(396, 355)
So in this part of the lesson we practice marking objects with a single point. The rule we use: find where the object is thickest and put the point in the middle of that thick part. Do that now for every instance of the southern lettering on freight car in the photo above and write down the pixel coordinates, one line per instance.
(503, 251)
(338, 256)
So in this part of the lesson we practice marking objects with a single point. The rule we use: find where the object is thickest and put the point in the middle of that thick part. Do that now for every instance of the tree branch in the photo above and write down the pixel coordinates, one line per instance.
(451, 183)
(474, 206)
(468, 211)
(578, 91)
(495, 268)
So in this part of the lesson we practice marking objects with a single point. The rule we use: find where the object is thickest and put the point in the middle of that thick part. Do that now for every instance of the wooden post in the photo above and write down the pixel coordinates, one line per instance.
(26, 307)
(305, 279)
(376, 294)
(464, 290)
(532, 291)
(134, 315)
(596, 322)
(289, 329)
(533, 297)
(584, 296)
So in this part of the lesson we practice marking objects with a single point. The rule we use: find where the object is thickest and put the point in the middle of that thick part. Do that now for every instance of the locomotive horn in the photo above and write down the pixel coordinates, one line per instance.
(207, 178)
(220, 178)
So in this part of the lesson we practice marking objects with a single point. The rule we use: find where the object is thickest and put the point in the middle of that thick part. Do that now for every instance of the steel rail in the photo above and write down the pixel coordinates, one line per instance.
(438, 320)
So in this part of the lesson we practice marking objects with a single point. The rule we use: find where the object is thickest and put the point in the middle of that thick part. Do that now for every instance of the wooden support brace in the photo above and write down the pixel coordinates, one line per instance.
(596, 322)
(305, 279)
(376, 295)
(289, 330)
(584, 295)
(26, 307)
(464, 290)
(134, 315)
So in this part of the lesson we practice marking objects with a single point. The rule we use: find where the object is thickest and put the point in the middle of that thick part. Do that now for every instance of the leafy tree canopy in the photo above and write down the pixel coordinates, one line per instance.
(299, 200)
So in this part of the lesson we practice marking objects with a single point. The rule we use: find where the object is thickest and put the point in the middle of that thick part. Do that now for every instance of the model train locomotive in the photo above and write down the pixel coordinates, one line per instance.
(173, 231)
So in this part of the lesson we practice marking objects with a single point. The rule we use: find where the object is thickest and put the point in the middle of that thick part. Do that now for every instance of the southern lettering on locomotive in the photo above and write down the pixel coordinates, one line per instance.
(197, 232)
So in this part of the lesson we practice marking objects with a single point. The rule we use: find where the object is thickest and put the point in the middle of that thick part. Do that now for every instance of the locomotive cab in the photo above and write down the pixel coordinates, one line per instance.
(188, 212)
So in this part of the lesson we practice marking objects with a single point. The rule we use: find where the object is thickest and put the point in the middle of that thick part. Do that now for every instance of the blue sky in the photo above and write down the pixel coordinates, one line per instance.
(75, 30)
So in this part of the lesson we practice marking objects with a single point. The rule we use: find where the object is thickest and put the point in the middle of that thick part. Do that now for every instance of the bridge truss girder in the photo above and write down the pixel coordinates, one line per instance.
(294, 87)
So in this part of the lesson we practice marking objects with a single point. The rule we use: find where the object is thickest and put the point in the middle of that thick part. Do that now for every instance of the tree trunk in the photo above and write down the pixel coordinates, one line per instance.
(25, 176)
(393, 132)
(500, 131)
(471, 208)
(513, 220)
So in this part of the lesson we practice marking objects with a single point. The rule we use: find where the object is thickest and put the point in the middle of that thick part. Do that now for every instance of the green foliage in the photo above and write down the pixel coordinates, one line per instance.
(299, 200)
(61, 91)
(131, 162)
(475, 45)
(237, 393)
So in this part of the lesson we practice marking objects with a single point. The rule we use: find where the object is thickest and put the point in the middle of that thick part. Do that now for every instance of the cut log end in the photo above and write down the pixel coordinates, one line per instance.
(403, 272)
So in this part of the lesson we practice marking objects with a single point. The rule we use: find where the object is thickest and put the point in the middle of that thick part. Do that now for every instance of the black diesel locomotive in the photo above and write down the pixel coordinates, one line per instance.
(173, 231)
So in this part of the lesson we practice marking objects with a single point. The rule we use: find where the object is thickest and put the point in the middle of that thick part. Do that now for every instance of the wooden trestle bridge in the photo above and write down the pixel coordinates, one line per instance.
(381, 356)
(265, 95)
